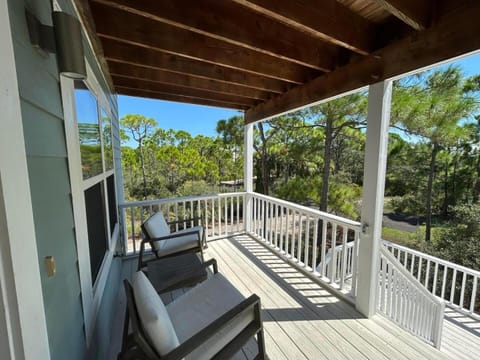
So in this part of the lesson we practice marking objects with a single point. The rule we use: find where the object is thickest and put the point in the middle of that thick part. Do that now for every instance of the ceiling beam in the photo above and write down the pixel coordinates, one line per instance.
(327, 20)
(119, 81)
(414, 13)
(112, 23)
(236, 25)
(130, 54)
(177, 98)
(166, 77)
(453, 35)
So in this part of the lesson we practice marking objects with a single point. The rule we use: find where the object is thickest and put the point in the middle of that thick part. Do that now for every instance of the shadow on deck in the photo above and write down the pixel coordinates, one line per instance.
(302, 320)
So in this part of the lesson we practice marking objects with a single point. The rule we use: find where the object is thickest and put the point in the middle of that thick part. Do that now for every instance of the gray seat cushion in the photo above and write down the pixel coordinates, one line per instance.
(177, 244)
(200, 306)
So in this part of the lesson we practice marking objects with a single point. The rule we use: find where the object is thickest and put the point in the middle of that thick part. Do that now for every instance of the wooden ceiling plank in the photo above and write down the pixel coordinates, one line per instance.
(452, 36)
(166, 77)
(126, 53)
(414, 13)
(180, 90)
(327, 20)
(237, 25)
(141, 31)
(177, 98)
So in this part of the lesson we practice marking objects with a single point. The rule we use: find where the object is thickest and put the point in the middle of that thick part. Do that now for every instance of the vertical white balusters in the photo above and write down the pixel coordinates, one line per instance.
(314, 246)
(462, 291)
(324, 247)
(344, 257)
(306, 240)
(435, 278)
(452, 290)
(333, 261)
(474, 294)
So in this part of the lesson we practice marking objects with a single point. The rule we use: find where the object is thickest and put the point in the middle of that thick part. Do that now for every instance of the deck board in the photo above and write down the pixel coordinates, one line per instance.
(302, 320)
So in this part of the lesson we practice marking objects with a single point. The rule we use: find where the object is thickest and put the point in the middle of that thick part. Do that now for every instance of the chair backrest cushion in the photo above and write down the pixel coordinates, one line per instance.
(153, 315)
(156, 227)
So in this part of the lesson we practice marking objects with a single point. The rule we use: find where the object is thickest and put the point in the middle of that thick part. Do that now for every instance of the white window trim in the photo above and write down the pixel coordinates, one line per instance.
(91, 295)
(21, 295)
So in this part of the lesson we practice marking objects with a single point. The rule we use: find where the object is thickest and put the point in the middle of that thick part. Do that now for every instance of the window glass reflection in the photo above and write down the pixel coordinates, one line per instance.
(88, 131)
(107, 140)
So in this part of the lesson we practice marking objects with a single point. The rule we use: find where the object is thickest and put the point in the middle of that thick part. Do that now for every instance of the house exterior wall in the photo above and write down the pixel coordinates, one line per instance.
(47, 160)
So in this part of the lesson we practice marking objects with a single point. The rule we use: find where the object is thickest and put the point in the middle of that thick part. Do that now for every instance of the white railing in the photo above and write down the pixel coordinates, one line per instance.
(456, 285)
(339, 256)
(220, 214)
(304, 236)
(401, 298)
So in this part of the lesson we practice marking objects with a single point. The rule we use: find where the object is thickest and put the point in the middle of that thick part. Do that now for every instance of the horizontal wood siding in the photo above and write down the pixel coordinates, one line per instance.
(45, 145)
(49, 184)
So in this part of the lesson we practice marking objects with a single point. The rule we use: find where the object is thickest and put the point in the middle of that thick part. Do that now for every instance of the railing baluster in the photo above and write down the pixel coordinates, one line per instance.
(444, 281)
(294, 233)
(427, 274)
(344, 257)
(306, 241)
(281, 229)
(452, 290)
(324, 247)
(287, 231)
(192, 223)
(474, 294)
(462, 291)
(132, 220)
(300, 238)
(333, 261)
(435, 277)
(213, 217)
(314, 247)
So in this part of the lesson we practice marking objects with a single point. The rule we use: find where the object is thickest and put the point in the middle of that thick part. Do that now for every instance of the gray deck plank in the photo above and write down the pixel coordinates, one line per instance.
(302, 320)
(364, 335)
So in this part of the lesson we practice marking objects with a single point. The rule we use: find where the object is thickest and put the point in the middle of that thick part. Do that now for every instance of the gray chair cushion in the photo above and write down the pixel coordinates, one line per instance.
(200, 306)
(177, 244)
(153, 315)
(157, 227)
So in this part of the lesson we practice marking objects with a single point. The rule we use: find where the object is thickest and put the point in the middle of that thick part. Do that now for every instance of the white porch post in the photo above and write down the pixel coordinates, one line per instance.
(378, 119)
(23, 327)
(248, 173)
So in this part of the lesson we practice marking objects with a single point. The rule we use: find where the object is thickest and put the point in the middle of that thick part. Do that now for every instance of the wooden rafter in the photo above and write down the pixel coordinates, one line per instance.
(178, 98)
(453, 36)
(135, 55)
(327, 20)
(236, 25)
(167, 77)
(141, 31)
(121, 81)
(415, 13)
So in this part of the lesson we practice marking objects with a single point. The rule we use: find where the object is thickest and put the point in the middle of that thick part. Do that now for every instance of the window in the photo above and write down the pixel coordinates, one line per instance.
(96, 153)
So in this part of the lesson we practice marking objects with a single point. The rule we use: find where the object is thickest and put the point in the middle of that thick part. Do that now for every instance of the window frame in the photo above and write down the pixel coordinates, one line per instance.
(91, 293)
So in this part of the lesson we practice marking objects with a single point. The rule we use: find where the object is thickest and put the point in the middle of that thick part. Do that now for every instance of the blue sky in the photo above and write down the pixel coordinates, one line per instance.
(202, 120)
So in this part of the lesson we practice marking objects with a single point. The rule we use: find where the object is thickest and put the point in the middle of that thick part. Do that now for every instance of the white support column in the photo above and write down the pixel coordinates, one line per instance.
(23, 325)
(248, 173)
(378, 119)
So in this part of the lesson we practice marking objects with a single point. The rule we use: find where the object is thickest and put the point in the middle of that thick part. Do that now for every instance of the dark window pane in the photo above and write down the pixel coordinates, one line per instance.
(97, 229)
(107, 140)
(112, 202)
(88, 130)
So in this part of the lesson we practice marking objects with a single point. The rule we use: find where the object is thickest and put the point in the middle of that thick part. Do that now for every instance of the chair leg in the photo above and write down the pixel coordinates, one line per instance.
(261, 345)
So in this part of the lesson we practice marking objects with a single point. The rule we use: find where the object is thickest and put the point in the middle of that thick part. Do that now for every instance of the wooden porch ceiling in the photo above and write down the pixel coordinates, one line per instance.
(271, 56)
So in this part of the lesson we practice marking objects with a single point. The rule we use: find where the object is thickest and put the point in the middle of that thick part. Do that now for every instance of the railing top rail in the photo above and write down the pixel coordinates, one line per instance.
(409, 276)
(307, 210)
(177, 199)
(433, 258)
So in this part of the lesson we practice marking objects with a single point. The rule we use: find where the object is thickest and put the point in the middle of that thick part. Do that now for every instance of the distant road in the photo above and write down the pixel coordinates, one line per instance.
(400, 222)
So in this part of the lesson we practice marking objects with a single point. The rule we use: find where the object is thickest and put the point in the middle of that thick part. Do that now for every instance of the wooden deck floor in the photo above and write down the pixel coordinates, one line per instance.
(304, 321)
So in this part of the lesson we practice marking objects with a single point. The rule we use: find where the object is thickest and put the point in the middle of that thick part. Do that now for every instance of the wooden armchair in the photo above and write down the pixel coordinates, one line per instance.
(156, 232)
(212, 320)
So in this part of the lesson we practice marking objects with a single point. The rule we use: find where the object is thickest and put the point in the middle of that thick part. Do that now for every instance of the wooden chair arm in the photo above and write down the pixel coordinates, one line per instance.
(215, 326)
